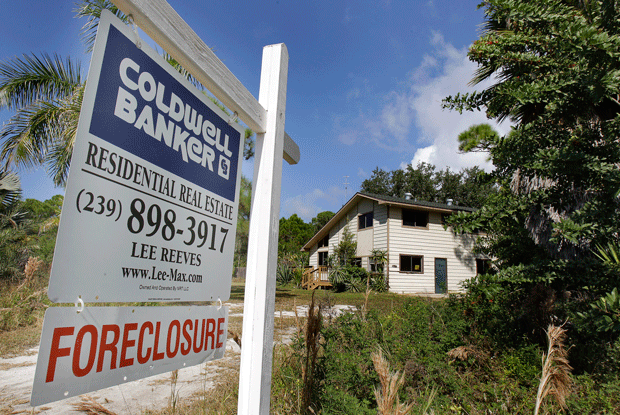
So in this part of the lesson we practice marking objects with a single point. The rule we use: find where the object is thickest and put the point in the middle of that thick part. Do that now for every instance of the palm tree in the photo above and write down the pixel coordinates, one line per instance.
(46, 94)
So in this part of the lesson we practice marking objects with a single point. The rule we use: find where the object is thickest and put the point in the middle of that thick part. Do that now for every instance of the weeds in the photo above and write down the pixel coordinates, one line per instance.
(90, 406)
(312, 336)
(174, 392)
(388, 401)
(555, 379)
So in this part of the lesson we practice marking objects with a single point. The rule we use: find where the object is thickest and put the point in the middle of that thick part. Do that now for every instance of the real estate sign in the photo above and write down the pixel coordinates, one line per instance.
(151, 202)
(106, 346)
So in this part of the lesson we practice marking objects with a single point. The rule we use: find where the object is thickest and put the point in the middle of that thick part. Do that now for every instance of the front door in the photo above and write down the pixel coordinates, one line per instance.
(441, 275)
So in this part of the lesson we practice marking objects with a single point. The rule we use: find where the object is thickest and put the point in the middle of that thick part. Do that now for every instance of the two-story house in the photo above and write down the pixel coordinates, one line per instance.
(422, 255)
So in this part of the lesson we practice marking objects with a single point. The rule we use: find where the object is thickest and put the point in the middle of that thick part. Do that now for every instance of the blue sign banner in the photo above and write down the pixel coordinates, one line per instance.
(144, 110)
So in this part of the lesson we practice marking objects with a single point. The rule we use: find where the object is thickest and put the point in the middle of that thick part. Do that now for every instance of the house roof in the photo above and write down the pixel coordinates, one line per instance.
(387, 200)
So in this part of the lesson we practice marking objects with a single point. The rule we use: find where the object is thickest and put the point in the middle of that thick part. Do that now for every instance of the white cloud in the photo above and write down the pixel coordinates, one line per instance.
(440, 128)
(411, 119)
(308, 205)
(361, 173)
(424, 155)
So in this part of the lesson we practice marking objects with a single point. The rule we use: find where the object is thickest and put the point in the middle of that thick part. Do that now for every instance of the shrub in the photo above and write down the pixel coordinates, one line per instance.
(284, 274)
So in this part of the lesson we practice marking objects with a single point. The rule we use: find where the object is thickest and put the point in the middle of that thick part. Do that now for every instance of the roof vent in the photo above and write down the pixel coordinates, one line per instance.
(449, 202)
(408, 196)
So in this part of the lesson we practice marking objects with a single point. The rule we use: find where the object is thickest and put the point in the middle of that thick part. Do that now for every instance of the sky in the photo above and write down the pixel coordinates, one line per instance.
(366, 79)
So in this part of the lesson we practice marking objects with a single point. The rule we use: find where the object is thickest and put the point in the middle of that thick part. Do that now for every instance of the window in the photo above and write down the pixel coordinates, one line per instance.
(418, 218)
(323, 259)
(412, 263)
(365, 221)
(444, 216)
(356, 262)
(375, 267)
(482, 266)
(324, 241)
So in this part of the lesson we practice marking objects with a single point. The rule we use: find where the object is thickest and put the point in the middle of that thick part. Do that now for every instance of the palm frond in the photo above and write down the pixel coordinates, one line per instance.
(180, 69)
(10, 190)
(609, 255)
(28, 135)
(58, 159)
(32, 78)
(92, 10)
(43, 133)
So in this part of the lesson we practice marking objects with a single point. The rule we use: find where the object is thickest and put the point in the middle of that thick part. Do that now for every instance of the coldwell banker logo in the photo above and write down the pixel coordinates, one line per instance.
(142, 109)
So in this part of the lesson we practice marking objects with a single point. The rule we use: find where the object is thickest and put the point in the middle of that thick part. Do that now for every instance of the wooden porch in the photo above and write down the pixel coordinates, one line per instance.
(314, 278)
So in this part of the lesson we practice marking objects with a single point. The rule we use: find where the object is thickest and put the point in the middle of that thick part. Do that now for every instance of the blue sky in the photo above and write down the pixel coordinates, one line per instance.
(365, 82)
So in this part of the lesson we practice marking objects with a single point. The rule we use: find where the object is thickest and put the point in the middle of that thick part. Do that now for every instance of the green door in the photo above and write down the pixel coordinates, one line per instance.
(441, 275)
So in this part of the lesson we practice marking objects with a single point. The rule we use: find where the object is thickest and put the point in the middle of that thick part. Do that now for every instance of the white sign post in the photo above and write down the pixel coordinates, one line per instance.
(260, 288)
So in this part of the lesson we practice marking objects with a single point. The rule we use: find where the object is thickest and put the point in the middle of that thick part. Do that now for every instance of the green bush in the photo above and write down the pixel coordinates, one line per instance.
(284, 274)
(420, 338)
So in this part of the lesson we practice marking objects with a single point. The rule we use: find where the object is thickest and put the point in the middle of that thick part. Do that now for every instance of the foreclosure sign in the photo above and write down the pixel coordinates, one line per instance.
(106, 346)
(151, 202)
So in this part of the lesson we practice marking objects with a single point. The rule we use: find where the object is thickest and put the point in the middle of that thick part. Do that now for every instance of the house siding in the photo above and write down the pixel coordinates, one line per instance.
(389, 234)
(431, 242)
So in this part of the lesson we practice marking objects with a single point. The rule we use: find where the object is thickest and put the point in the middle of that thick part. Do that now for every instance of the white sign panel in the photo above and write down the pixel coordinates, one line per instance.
(151, 203)
(105, 346)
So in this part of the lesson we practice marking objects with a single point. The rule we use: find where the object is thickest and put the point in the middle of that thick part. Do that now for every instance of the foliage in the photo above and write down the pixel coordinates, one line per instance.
(10, 190)
(346, 249)
(294, 233)
(284, 274)
(46, 94)
(35, 209)
(477, 138)
(10, 193)
(91, 9)
(448, 367)
(469, 187)
(379, 257)
(23, 237)
(604, 314)
(243, 222)
(554, 65)
(290, 269)
(321, 220)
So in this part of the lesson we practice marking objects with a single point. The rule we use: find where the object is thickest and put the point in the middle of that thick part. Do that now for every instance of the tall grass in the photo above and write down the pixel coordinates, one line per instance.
(388, 402)
(555, 380)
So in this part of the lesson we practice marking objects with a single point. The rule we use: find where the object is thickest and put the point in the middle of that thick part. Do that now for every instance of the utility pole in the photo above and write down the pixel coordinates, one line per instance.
(346, 183)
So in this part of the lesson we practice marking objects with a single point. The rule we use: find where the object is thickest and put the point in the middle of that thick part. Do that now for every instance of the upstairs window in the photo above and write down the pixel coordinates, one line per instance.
(323, 242)
(444, 216)
(365, 221)
(417, 218)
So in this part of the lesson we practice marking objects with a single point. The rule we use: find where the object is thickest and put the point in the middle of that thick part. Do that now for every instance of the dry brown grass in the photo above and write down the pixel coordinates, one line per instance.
(90, 406)
(312, 334)
(465, 353)
(555, 380)
(388, 401)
